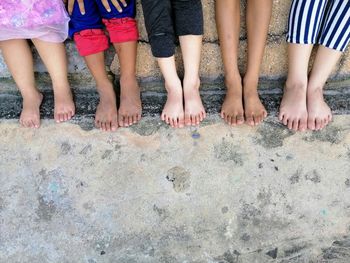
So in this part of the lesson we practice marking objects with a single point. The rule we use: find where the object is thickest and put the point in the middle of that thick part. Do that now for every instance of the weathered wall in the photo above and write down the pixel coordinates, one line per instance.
(275, 59)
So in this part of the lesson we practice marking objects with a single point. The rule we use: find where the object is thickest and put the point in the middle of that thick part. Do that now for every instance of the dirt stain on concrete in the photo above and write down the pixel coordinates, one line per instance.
(46, 209)
(180, 177)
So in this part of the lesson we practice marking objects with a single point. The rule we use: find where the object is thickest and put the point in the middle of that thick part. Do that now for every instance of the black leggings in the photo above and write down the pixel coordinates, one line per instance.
(167, 19)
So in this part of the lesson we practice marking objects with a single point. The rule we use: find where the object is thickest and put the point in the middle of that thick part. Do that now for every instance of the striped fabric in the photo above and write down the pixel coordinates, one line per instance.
(324, 22)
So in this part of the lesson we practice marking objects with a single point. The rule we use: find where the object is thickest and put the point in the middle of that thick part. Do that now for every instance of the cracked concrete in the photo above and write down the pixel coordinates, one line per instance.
(152, 194)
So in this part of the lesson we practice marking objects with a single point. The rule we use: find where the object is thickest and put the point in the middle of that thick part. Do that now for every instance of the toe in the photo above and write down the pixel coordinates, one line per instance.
(163, 117)
(121, 120)
(234, 120)
(311, 124)
(176, 123)
(295, 124)
(240, 119)
(97, 124)
(250, 120)
(318, 124)
(285, 120)
(135, 119)
(290, 124)
(172, 124)
(56, 117)
(281, 116)
(181, 123)
(302, 125)
(103, 126)
(227, 119)
(222, 115)
(187, 120)
(257, 120)
(114, 124)
(265, 114)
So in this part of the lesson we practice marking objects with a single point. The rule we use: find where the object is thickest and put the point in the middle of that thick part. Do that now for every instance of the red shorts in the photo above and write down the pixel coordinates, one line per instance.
(92, 41)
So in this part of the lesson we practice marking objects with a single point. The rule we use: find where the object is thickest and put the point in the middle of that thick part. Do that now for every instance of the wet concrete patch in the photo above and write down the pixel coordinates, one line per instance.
(226, 151)
(338, 252)
(331, 134)
(272, 134)
(148, 127)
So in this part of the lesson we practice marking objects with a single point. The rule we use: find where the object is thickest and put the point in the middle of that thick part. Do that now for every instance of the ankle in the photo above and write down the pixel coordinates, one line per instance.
(32, 94)
(301, 85)
(192, 83)
(315, 88)
(127, 79)
(231, 80)
(173, 86)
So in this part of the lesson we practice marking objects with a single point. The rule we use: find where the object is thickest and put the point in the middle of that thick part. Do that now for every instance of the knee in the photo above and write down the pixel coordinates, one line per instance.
(91, 41)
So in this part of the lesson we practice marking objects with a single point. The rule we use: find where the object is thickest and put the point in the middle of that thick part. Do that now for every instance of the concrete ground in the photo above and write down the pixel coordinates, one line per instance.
(153, 194)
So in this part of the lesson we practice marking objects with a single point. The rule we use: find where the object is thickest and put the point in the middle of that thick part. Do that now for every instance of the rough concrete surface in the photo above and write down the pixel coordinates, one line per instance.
(153, 194)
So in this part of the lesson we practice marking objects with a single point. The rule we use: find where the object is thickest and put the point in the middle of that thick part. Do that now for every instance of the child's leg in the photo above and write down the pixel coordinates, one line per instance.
(258, 20)
(188, 16)
(173, 112)
(91, 43)
(319, 112)
(19, 60)
(54, 57)
(305, 21)
(130, 109)
(159, 25)
(334, 38)
(228, 25)
(293, 111)
(191, 52)
(106, 117)
(123, 34)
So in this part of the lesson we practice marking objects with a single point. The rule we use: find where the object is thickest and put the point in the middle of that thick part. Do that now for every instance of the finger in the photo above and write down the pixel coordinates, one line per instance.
(124, 3)
(81, 6)
(70, 6)
(106, 5)
(117, 5)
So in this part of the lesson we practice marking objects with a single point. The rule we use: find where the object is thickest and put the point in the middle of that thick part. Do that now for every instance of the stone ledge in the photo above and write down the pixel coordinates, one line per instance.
(154, 97)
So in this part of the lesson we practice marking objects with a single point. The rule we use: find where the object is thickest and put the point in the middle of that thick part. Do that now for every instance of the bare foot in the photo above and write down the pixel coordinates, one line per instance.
(232, 108)
(64, 105)
(194, 110)
(130, 109)
(293, 111)
(319, 112)
(30, 115)
(173, 112)
(106, 117)
(254, 110)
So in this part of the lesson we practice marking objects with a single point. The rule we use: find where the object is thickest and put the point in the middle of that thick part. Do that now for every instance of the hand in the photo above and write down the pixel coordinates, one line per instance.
(115, 3)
